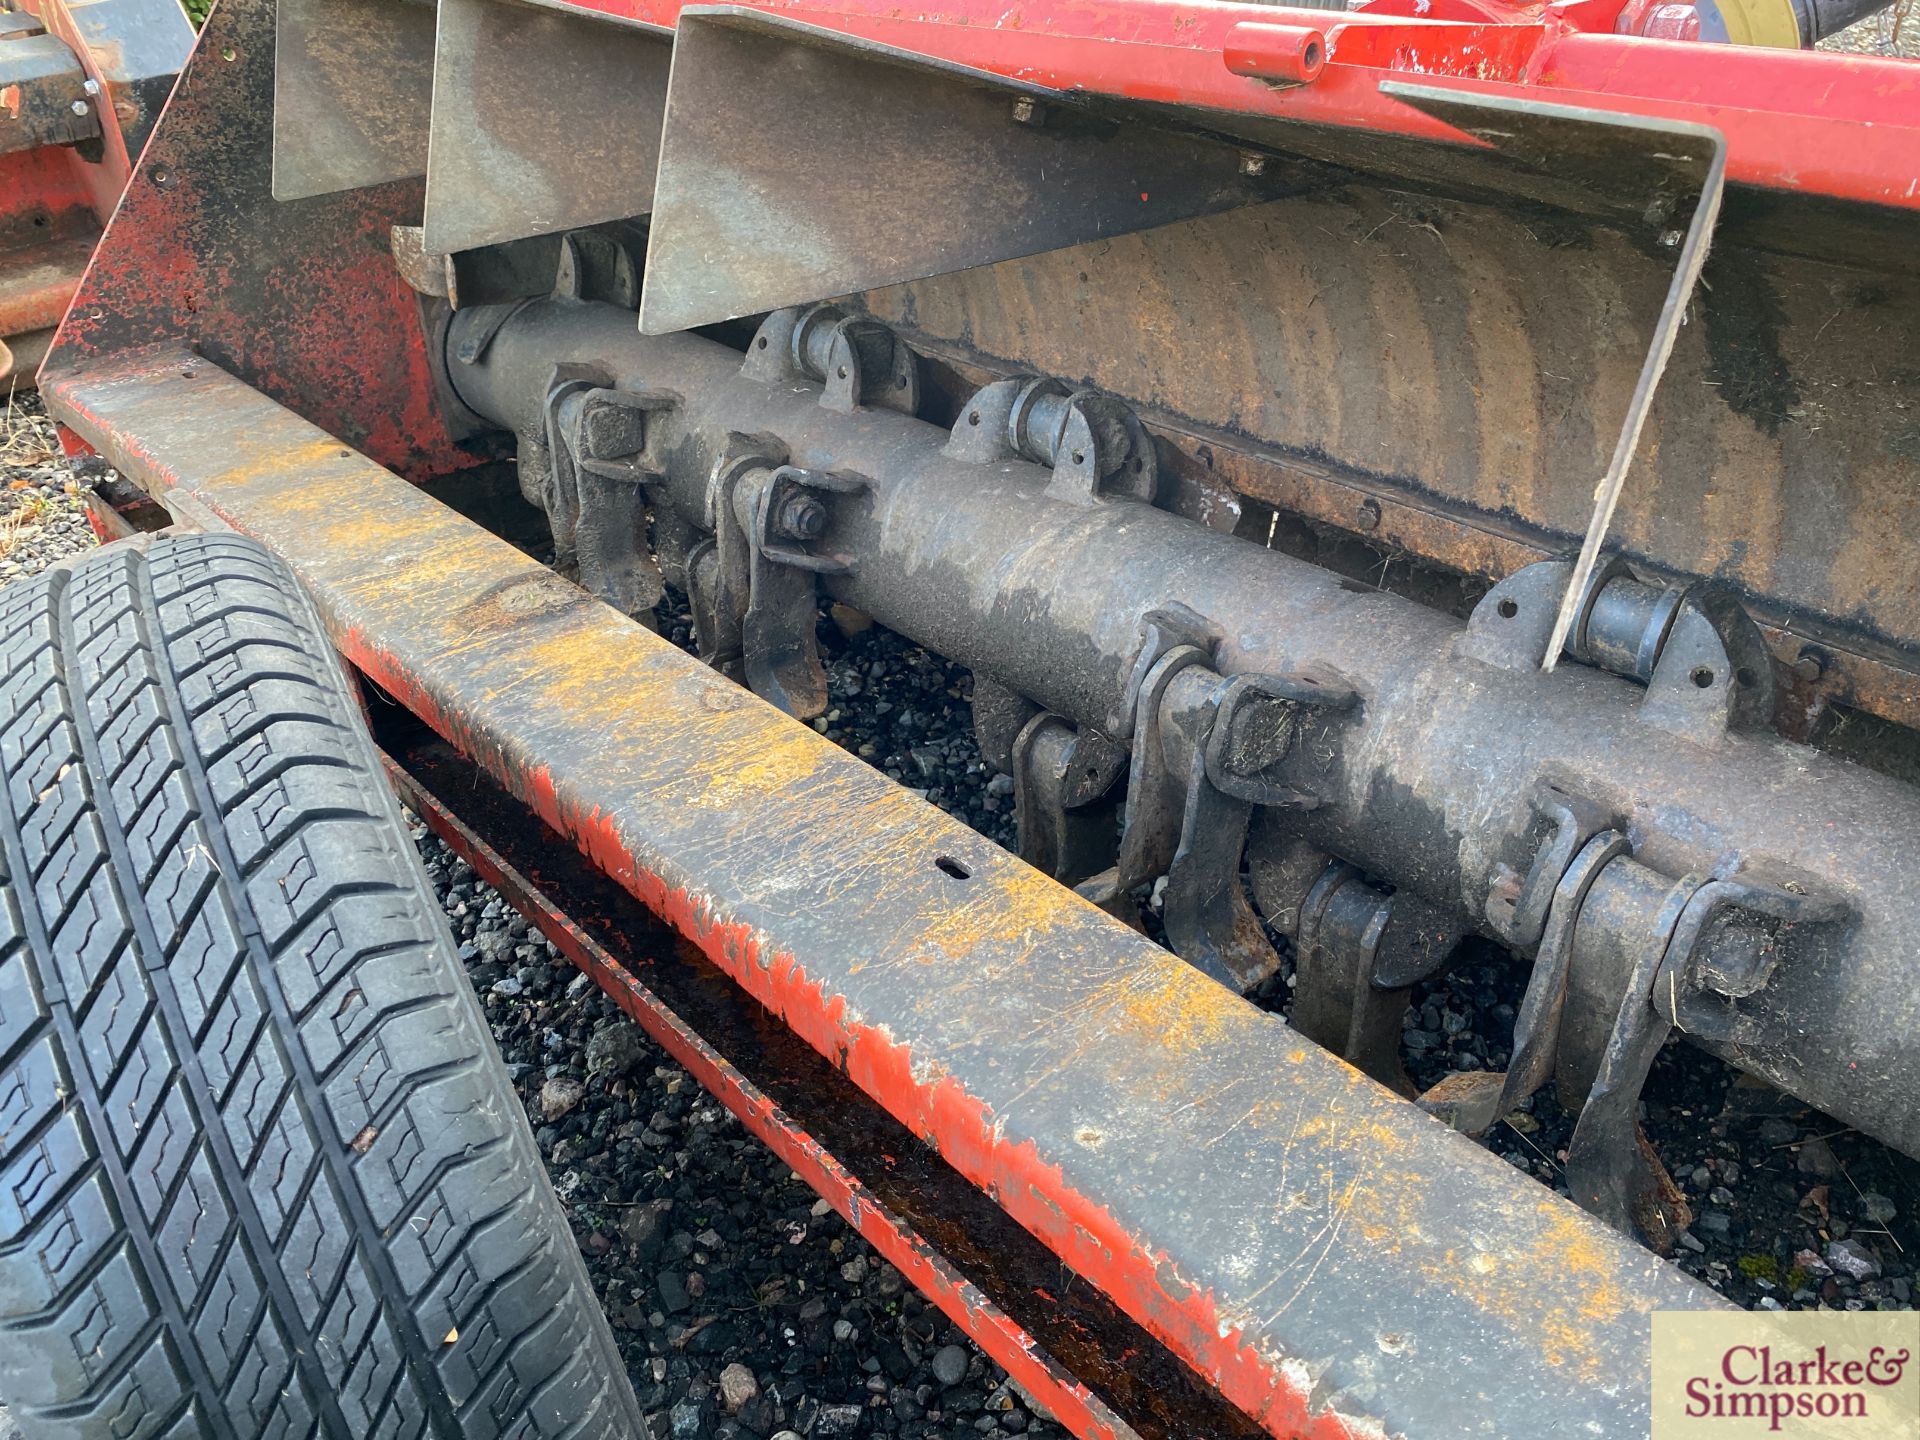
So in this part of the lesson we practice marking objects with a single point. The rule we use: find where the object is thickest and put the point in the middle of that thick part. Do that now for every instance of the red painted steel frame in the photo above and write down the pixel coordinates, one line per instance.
(1069, 1401)
(1845, 126)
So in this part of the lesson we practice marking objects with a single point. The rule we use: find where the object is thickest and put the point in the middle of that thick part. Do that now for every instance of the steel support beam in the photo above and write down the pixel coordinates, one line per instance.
(1333, 1261)
(1098, 1372)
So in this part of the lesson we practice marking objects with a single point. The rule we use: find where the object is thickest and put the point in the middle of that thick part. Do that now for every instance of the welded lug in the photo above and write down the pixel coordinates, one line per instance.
(592, 266)
(1714, 673)
(1358, 953)
(1510, 625)
(1473, 1101)
(1061, 777)
(857, 361)
(1206, 749)
(1561, 824)
(999, 715)
(1624, 930)
(1701, 656)
(1095, 444)
(594, 491)
(1161, 632)
(719, 570)
(787, 518)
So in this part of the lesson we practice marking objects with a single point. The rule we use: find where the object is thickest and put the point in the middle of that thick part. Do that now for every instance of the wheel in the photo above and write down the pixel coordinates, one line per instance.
(261, 1171)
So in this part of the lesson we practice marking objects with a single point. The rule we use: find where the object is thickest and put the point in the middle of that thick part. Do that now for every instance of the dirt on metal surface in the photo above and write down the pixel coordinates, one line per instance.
(865, 1152)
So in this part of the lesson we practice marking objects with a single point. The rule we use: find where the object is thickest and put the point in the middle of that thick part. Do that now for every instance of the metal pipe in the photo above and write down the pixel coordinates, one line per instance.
(1427, 783)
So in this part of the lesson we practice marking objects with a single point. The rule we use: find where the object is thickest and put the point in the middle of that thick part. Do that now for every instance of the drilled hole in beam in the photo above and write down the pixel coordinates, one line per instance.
(947, 865)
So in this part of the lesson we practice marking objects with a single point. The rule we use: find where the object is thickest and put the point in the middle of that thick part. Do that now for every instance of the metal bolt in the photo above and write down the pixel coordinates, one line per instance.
(1368, 518)
(1810, 666)
(1259, 733)
(611, 431)
(92, 87)
(1252, 164)
(79, 107)
(1024, 109)
(801, 517)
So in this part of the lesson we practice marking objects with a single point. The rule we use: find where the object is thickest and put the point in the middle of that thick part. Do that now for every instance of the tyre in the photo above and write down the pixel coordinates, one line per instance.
(261, 1171)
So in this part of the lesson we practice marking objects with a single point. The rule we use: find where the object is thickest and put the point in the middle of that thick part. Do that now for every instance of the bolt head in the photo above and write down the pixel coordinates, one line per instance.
(1024, 109)
(80, 107)
(1252, 164)
(1259, 733)
(1368, 516)
(801, 517)
(612, 432)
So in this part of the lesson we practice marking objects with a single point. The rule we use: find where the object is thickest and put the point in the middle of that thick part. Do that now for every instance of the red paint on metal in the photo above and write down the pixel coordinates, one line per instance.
(1281, 54)
(302, 301)
(1069, 1401)
(1822, 123)
(103, 181)
(1077, 1227)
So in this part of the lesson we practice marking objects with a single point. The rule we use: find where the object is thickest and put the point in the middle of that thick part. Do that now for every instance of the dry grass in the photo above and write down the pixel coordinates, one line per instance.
(20, 522)
(27, 445)
(26, 436)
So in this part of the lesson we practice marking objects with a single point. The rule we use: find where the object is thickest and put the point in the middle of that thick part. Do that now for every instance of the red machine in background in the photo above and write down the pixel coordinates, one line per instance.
(81, 85)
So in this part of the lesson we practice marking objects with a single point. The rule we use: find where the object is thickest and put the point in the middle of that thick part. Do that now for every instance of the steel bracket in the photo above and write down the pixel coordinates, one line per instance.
(1096, 445)
(1161, 631)
(786, 515)
(718, 570)
(1561, 824)
(1206, 749)
(1061, 773)
(1358, 953)
(1714, 673)
(1473, 1101)
(858, 362)
(595, 490)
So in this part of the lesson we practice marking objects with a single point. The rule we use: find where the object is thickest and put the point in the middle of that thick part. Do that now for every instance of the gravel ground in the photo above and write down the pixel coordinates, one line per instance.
(746, 1308)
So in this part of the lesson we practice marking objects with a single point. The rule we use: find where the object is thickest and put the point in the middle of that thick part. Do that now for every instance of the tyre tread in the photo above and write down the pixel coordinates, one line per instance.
(238, 1058)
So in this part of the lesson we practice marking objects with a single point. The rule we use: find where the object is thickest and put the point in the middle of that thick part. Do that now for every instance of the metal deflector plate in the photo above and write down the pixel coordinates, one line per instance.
(543, 120)
(352, 85)
(798, 163)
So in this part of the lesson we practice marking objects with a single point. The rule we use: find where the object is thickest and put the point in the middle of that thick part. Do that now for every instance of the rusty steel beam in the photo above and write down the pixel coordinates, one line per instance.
(985, 1273)
(1334, 1262)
